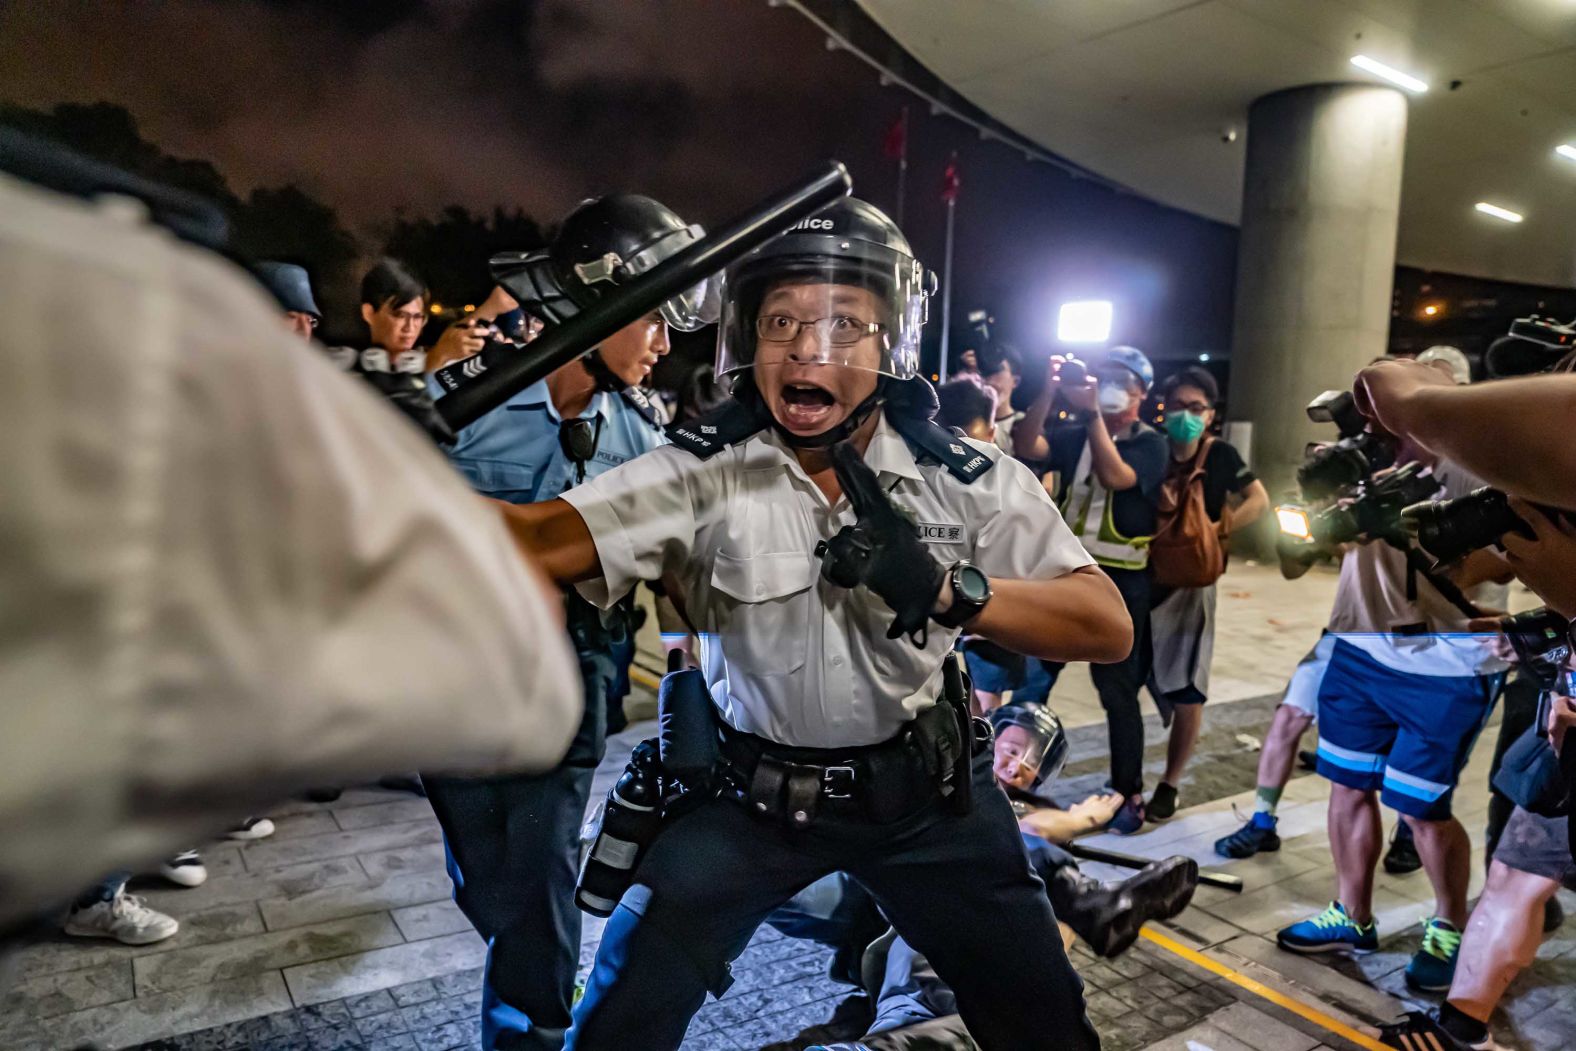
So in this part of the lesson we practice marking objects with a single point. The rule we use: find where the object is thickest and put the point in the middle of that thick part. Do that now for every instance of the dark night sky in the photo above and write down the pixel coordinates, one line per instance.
(705, 104)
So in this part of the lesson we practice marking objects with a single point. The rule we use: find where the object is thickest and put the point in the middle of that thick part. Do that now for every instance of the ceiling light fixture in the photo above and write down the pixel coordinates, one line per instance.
(1566, 150)
(1499, 213)
(1394, 76)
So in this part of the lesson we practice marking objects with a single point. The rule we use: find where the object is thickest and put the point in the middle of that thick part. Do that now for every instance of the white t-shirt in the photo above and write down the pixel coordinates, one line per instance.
(787, 655)
(1425, 636)
(229, 571)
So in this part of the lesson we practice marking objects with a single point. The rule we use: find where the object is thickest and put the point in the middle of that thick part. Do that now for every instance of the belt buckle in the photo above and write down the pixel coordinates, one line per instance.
(837, 782)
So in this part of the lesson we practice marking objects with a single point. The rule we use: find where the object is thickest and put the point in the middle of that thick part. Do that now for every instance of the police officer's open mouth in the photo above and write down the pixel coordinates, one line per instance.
(807, 396)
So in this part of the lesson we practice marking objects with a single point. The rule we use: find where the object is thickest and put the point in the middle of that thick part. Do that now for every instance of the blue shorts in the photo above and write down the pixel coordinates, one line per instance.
(1408, 735)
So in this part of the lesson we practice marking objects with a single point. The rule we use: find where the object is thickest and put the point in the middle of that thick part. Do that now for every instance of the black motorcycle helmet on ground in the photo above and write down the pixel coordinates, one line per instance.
(850, 244)
(602, 244)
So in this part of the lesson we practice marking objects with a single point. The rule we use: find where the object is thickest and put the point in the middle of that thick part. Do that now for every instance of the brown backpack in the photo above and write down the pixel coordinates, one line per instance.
(1187, 551)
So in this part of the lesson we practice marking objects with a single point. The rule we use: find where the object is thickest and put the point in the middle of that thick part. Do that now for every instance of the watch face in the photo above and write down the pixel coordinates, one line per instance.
(971, 584)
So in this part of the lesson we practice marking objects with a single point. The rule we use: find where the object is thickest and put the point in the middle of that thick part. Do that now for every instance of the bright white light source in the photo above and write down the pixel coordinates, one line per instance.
(1088, 321)
(1499, 213)
(1566, 150)
(1203, 357)
(1293, 522)
(1394, 76)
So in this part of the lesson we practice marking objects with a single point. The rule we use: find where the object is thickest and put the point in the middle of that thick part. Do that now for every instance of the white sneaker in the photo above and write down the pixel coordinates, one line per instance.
(252, 828)
(124, 918)
(185, 869)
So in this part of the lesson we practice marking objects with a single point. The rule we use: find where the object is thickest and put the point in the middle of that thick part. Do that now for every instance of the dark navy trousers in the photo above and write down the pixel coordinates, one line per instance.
(958, 888)
(513, 847)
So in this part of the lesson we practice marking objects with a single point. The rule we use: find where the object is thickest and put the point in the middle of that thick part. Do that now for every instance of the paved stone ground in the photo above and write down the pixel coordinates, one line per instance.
(338, 932)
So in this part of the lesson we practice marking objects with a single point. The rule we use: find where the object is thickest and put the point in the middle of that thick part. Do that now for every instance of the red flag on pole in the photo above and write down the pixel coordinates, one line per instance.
(950, 180)
(895, 145)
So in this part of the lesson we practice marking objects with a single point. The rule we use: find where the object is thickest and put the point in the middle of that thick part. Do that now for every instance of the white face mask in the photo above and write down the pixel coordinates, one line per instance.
(1114, 398)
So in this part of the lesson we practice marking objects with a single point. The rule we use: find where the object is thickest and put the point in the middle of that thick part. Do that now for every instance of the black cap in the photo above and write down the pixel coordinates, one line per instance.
(290, 285)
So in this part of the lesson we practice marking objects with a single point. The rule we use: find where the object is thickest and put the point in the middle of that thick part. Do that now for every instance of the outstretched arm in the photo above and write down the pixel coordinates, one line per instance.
(1476, 426)
(1079, 616)
(554, 535)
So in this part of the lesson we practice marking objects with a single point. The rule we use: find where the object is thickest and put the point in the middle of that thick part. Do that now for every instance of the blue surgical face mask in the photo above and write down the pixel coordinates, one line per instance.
(1114, 398)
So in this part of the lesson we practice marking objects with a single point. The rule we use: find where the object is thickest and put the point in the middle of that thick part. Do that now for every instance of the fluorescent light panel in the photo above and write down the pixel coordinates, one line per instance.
(1394, 76)
(1499, 213)
(1566, 150)
(1086, 321)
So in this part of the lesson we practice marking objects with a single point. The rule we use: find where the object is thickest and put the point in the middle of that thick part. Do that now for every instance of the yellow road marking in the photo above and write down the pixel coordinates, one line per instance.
(1296, 1007)
(643, 677)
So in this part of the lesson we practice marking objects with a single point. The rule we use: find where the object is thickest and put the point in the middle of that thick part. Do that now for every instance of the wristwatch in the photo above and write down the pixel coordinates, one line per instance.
(970, 591)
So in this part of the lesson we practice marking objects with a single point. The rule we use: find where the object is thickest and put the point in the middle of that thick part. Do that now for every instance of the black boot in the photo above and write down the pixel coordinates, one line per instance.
(1402, 857)
(1108, 916)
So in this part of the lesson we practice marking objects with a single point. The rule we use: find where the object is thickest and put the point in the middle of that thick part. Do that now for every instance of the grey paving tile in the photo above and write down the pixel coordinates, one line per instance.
(268, 854)
(353, 899)
(403, 1042)
(1260, 1030)
(384, 968)
(447, 1036)
(395, 812)
(430, 920)
(413, 992)
(168, 1014)
(287, 881)
(183, 968)
(319, 1016)
(369, 1004)
(293, 826)
(386, 1023)
(399, 861)
(60, 953)
(47, 995)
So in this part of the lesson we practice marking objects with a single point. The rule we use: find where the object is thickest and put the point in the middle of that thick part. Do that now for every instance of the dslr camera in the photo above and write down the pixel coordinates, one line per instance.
(1350, 487)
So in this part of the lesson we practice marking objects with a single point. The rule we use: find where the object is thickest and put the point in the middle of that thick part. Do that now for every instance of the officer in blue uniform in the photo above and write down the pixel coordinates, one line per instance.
(513, 841)
(828, 541)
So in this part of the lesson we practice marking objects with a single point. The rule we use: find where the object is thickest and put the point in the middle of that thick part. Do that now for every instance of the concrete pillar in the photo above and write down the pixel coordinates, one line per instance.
(1316, 259)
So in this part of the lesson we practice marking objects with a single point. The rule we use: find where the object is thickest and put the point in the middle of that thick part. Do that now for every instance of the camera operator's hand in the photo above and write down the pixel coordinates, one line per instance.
(1491, 624)
(1546, 564)
(459, 340)
(1083, 397)
(1382, 390)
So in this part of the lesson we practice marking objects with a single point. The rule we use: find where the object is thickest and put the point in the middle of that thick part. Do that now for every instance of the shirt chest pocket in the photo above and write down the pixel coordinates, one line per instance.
(767, 610)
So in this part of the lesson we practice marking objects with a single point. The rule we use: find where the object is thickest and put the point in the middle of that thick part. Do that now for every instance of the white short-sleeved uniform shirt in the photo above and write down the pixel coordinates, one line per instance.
(787, 655)
(1426, 635)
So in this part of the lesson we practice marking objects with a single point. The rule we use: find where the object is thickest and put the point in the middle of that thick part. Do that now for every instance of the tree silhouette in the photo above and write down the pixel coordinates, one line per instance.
(284, 223)
(451, 252)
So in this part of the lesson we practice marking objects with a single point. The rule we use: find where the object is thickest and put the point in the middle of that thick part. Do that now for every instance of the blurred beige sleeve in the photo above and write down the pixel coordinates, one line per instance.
(227, 571)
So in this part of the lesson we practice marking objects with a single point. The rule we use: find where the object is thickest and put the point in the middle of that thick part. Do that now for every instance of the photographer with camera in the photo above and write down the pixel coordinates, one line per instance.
(1105, 469)
(1533, 856)
(1406, 692)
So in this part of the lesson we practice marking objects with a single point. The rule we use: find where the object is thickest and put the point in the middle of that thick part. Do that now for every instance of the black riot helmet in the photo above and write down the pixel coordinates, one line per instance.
(602, 244)
(848, 244)
(1045, 751)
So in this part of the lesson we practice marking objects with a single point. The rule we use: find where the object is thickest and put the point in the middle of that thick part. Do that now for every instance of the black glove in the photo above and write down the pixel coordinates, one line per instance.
(407, 391)
(882, 550)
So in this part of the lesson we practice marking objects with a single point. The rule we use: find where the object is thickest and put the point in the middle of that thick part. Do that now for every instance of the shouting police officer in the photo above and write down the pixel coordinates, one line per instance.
(513, 842)
(837, 754)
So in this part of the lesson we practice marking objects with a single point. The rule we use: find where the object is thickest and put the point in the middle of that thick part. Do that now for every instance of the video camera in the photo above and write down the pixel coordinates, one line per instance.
(1541, 641)
(1534, 344)
(1351, 491)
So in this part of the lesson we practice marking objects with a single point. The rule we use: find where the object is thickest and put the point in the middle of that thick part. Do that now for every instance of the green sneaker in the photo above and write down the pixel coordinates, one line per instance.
(1330, 931)
(1434, 965)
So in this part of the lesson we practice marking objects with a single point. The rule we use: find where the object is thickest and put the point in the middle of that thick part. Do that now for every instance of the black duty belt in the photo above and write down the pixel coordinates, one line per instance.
(879, 783)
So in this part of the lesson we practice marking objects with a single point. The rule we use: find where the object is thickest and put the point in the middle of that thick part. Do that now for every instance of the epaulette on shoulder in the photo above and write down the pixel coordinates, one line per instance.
(929, 441)
(637, 398)
(708, 434)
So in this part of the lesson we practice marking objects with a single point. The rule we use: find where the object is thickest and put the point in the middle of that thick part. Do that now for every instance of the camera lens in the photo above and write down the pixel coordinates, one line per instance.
(1451, 529)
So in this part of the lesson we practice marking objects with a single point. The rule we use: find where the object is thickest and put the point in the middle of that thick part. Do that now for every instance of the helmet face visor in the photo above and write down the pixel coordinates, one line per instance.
(843, 303)
(693, 308)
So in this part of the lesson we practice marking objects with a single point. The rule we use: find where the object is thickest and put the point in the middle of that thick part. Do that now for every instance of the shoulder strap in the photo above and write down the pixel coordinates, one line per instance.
(636, 398)
(708, 434)
(1200, 459)
(926, 438)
